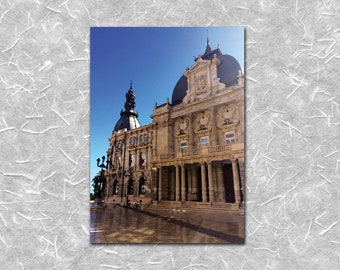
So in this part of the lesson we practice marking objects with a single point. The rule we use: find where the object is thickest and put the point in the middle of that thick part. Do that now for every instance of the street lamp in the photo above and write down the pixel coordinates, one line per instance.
(102, 166)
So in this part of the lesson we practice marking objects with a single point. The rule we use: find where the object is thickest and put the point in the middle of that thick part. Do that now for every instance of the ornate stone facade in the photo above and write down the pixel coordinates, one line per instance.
(194, 148)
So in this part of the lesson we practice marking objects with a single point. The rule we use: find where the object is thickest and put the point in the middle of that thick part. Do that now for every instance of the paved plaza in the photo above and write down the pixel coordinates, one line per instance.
(125, 225)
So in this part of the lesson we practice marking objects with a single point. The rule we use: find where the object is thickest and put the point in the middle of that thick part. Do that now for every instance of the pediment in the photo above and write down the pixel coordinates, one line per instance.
(200, 63)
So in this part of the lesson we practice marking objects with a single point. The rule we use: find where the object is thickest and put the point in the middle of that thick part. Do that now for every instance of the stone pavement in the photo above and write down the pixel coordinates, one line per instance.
(126, 225)
(220, 222)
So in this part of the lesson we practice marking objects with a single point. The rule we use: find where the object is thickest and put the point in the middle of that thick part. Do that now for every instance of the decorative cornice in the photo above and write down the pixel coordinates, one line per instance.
(228, 125)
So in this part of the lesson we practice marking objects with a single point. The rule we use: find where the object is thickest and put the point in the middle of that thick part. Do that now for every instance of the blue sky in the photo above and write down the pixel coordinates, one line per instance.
(153, 58)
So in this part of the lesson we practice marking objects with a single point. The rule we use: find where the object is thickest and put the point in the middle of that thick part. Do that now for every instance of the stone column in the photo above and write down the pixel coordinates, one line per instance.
(236, 182)
(183, 189)
(241, 166)
(189, 191)
(204, 185)
(136, 186)
(160, 183)
(211, 183)
(177, 187)
(171, 185)
(220, 183)
(194, 182)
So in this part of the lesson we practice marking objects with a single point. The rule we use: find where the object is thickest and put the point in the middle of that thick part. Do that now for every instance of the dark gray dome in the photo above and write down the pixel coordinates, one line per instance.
(227, 71)
(179, 91)
(128, 118)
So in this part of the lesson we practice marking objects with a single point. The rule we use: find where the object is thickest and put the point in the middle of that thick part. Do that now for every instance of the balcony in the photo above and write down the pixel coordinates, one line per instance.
(220, 148)
(204, 150)
(168, 156)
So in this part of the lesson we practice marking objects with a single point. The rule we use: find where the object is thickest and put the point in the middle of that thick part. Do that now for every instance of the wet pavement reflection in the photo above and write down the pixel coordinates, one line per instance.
(124, 225)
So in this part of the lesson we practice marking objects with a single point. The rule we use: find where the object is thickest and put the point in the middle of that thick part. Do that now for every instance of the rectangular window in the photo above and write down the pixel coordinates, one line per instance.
(132, 160)
(183, 145)
(143, 139)
(230, 137)
(142, 159)
(204, 140)
(118, 162)
(115, 187)
(132, 141)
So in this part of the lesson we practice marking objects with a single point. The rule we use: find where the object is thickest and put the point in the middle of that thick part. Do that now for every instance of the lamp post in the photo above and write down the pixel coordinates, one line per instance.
(102, 166)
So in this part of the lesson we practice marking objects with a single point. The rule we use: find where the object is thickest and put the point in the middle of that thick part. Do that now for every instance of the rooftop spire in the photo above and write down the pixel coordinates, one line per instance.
(128, 116)
(207, 38)
(207, 49)
(130, 103)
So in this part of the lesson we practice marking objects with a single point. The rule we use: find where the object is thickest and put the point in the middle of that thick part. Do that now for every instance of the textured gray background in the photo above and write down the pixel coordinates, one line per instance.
(293, 158)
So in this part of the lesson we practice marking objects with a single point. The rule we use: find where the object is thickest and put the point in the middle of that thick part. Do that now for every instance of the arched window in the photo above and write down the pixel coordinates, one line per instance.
(119, 146)
(142, 185)
(115, 187)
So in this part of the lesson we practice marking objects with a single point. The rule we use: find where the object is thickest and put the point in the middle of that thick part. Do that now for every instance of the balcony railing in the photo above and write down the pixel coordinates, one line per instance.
(185, 152)
(193, 152)
(219, 148)
(168, 156)
(207, 150)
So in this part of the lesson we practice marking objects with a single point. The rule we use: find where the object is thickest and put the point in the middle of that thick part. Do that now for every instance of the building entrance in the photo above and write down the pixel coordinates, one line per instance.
(199, 184)
(228, 183)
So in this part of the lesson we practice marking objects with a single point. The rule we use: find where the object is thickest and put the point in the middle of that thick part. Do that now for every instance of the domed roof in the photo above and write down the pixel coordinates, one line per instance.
(128, 118)
(128, 121)
(227, 71)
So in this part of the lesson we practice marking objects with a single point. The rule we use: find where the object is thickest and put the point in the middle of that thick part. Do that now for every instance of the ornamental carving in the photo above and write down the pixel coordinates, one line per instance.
(183, 126)
(198, 78)
(228, 118)
(203, 120)
(203, 123)
(202, 81)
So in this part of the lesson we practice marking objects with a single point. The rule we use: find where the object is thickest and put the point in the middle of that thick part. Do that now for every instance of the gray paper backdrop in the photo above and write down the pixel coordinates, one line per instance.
(292, 134)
